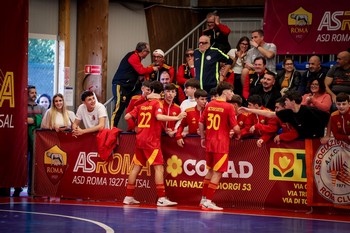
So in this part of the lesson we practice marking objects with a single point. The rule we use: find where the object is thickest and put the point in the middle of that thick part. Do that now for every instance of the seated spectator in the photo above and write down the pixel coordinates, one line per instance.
(338, 77)
(58, 117)
(239, 56)
(315, 70)
(309, 122)
(267, 90)
(192, 117)
(159, 61)
(170, 108)
(289, 78)
(93, 115)
(254, 77)
(44, 100)
(318, 97)
(338, 123)
(136, 100)
(186, 70)
(166, 79)
(274, 125)
(254, 102)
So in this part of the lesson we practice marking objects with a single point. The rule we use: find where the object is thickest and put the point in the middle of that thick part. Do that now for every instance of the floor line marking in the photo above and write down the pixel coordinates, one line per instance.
(102, 225)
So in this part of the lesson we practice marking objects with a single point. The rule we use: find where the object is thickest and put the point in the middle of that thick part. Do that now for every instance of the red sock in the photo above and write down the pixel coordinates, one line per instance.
(160, 190)
(211, 190)
(130, 189)
(205, 187)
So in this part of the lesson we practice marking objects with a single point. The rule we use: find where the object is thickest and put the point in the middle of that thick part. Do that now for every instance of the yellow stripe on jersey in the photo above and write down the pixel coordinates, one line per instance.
(153, 156)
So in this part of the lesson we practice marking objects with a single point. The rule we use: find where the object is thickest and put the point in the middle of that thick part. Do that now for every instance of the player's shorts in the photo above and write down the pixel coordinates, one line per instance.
(217, 161)
(152, 156)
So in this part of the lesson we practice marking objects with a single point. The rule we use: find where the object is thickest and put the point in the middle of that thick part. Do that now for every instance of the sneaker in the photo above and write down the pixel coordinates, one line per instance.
(202, 201)
(130, 201)
(163, 201)
(209, 205)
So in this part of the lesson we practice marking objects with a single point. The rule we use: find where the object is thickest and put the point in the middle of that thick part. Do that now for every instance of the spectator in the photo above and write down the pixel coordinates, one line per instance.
(159, 61)
(58, 117)
(239, 56)
(338, 123)
(136, 100)
(254, 77)
(338, 77)
(126, 81)
(288, 133)
(241, 117)
(230, 76)
(34, 118)
(165, 79)
(289, 78)
(207, 64)
(217, 32)
(148, 148)
(267, 90)
(254, 102)
(260, 49)
(192, 117)
(170, 108)
(318, 97)
(315, 70)
(216, 141)
(309, 122)
(44, 100)
(93, 114)
(191, 86)
(186, 70)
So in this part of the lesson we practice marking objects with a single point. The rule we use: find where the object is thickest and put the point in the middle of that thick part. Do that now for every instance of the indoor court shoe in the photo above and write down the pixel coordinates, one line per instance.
(130, 201)
(209, 205)
(163, 201)
(202, 201)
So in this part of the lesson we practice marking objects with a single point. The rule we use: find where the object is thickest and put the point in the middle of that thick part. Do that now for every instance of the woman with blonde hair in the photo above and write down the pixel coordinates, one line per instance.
(58, 117)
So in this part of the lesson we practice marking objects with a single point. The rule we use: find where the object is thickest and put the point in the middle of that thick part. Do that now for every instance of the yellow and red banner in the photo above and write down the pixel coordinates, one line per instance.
(307, 27)
(13, 94)
(271, 176)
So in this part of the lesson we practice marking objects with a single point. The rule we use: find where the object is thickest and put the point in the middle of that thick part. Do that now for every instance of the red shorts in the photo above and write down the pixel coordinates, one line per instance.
(152, 156)
(217, 161)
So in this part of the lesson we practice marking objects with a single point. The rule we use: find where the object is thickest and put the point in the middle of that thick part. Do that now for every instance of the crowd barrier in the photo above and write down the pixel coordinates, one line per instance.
(273, 176)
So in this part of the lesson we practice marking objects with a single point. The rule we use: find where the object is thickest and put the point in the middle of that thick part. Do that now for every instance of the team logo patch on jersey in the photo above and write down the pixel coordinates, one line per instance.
(208, 58)
(332, 171)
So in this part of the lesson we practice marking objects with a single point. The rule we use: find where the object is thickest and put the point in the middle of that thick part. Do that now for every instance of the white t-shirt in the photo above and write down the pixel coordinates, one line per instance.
(238, 67)
(59, 121)
(90, 119)
(270, 62)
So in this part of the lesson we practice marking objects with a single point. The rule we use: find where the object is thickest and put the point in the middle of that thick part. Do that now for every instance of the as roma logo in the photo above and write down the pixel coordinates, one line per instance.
(55, 163)
(299, 24)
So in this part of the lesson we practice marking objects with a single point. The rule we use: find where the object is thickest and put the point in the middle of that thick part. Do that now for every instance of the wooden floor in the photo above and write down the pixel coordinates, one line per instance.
(39, 215)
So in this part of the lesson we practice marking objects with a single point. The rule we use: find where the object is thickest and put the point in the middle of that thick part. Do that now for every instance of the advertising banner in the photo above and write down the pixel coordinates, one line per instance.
(329, 174)
(307, 27)
(13, 93)
(270, 176)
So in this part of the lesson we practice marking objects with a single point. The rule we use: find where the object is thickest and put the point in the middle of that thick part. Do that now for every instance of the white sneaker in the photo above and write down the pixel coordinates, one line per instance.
(130, 201)
(202, 201)
(163, 201)
(209, 205)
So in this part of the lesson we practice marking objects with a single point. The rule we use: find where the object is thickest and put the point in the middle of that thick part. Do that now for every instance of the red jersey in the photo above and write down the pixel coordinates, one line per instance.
(149, 128)
(241, 118)
(184, 73)
(253, 119)
(274, 124)
(191, 120)
(218, 118)
(340, 126)
(170, 110)
(131, 122)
